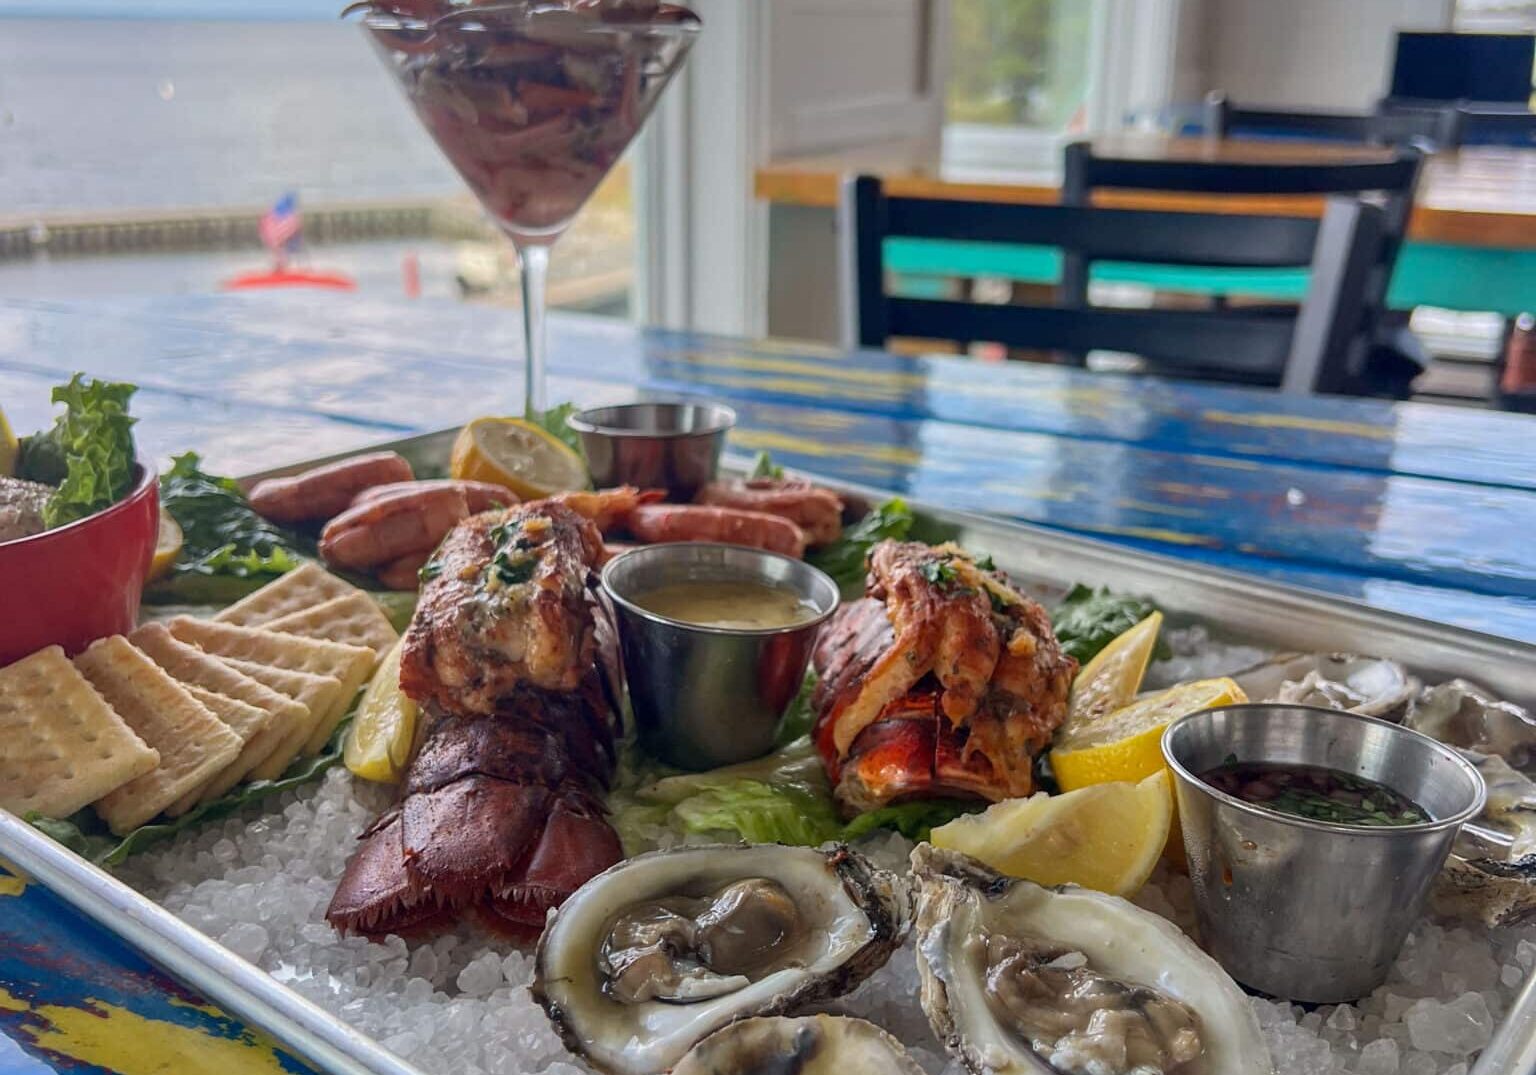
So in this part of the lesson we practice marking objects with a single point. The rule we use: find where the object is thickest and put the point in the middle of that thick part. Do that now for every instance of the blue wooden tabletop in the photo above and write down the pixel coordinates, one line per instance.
(1411, 507)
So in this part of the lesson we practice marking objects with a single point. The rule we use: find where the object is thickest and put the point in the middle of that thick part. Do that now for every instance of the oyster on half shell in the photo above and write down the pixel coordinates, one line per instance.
(811, 1045)
(1372, 686)
(1024, 980)
(647, 959)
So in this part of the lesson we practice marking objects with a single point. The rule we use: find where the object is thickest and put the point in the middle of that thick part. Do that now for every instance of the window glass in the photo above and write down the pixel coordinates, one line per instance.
(140, 141)
(1020, 63)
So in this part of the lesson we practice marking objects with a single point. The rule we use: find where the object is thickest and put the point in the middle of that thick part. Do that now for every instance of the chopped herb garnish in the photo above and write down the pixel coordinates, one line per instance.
(430, 570)
(764, 467)
(998, 604)
(986, 563)
(513, 570)
(939, 572)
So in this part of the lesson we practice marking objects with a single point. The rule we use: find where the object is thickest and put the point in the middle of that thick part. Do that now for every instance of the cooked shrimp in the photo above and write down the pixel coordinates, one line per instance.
(656, 523)
(608, 508)
(481, 496)
(391, 527)
(819, 512)
(325, 491)
(404, 573)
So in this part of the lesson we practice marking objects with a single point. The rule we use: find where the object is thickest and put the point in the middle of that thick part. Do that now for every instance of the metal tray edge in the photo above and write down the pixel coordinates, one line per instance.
(331, 1045)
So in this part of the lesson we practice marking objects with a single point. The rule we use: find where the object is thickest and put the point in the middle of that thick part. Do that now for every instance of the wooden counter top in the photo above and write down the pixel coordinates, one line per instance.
(1479, 196)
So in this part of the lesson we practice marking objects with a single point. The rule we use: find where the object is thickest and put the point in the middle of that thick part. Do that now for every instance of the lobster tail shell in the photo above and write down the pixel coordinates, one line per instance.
(500, 812)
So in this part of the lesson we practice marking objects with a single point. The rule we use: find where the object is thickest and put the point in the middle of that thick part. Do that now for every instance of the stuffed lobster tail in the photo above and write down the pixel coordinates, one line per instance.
(944, 681)
(512, 655)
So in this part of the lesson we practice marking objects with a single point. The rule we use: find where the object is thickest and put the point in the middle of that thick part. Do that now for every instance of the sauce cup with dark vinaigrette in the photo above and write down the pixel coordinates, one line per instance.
(716, 639)
(1313, 836)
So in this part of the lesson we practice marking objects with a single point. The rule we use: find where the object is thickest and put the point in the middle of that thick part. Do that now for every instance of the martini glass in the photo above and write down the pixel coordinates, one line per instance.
(533, 101)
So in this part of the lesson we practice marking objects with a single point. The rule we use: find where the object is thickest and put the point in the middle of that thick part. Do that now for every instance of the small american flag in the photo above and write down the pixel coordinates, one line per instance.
(281, 226)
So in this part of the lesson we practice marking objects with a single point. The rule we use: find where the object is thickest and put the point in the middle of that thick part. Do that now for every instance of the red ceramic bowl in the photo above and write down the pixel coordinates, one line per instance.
(81, 582)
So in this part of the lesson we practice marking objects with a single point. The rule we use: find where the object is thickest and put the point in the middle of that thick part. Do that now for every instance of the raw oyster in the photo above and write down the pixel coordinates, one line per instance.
(813, 1045)
(647, 959)
(1465, 715)
(1489, 891)
(1024, 980)
(1506, 828)
(1372, 686)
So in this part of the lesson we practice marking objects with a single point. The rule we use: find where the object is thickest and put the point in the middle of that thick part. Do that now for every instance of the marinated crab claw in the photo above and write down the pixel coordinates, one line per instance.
(819, 512)
(608, 509)
(392, 526)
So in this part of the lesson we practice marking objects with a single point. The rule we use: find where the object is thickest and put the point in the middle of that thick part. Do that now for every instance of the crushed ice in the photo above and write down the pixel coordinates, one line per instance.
(259, 883)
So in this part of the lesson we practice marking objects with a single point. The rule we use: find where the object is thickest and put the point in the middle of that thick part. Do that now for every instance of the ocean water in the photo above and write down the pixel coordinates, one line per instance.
(150, 113)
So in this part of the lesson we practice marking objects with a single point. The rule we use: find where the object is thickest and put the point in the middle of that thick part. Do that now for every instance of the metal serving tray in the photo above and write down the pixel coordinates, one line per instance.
(1236, 607)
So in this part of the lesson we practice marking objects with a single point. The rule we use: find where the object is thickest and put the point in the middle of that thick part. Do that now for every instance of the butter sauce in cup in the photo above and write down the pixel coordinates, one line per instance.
(716, 639)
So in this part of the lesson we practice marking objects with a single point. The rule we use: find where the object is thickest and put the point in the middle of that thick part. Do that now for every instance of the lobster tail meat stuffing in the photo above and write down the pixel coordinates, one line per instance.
(943, 681)
(511, 655)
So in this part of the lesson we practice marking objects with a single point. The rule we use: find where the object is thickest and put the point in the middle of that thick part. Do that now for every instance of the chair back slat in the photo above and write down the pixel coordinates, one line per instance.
(1213, 239)
(1434, 128)
(1237, 344)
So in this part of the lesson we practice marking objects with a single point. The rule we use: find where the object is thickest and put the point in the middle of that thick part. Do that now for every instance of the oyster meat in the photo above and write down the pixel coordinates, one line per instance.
(647, 959)
(1465, 715)
(1372, 686)
(1024, 980)
(813, 1045)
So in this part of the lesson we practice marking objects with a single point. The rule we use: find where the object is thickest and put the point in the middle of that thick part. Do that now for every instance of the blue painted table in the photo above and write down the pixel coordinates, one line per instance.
(1411, 507)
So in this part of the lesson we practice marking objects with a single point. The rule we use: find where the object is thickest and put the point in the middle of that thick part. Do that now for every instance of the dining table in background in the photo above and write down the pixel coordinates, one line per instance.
(1471, 239)
(1412, 507)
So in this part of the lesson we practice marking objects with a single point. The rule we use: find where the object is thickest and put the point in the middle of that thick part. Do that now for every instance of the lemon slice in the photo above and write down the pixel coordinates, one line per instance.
(1106, 837)
(167, 546)
(517, 454)
(379, 741)
(1127, 744)
(1113, 677)
(10, 448)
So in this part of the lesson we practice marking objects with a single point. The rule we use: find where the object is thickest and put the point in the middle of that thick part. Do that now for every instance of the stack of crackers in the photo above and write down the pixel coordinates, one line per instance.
(176, 714)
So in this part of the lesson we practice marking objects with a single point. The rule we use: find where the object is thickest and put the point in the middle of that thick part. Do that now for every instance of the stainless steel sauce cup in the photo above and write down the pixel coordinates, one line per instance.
(704, 697)
(1309, 910)
(673, 446)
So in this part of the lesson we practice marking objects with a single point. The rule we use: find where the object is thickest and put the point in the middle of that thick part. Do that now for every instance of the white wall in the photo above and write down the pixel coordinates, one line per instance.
(1305, 53)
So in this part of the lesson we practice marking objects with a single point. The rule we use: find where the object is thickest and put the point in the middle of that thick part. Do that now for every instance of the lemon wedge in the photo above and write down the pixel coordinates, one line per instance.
(1106, 837)
(10, 448)
(167, 546)
(517, 454)
(1113, 677)
(379, 741)
(1127, 743)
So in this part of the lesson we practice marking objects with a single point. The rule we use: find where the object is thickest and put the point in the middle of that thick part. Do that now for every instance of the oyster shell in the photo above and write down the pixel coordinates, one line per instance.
(813, 1045)
(1024, 980)
(1372, 686)
(647, 959)
(1463, 714)
(1506, 828)
(1485, 890)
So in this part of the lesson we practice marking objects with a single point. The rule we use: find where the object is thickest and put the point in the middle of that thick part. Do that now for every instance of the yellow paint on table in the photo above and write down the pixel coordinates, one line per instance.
(819, 369)
(1297, 421)
(12, 881)
(125, 1042)
(761, 440)
(1152, 533)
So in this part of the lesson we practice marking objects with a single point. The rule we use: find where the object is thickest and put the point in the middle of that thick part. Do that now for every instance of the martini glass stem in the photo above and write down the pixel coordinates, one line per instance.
(533, 258)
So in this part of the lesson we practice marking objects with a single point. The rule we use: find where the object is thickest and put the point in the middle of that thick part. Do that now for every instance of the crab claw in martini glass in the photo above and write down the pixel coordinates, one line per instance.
(533, 101)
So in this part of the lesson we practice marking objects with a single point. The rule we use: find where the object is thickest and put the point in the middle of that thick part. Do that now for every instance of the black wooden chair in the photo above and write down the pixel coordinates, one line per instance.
(1311, 352)
(1397, 356)
(1474, 125)
(1428, 128)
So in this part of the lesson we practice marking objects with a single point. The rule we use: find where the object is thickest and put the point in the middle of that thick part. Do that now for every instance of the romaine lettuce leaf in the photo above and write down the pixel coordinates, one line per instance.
(86, 835)
(844, 558)
(227, 549)
(88, 454)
